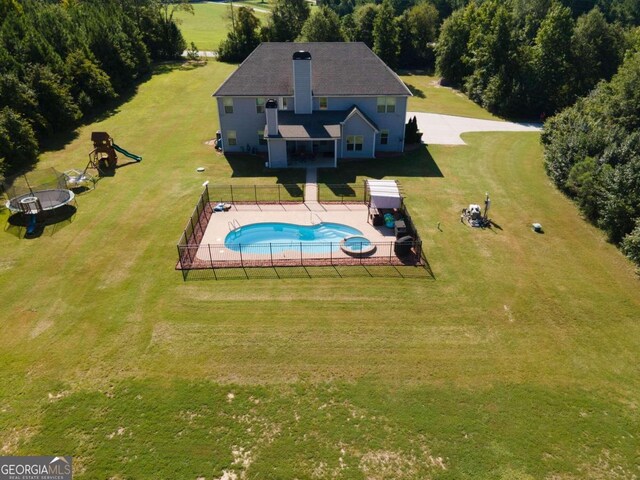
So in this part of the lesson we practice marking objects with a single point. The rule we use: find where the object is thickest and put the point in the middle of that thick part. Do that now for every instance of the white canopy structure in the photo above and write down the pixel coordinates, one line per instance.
(383, 194)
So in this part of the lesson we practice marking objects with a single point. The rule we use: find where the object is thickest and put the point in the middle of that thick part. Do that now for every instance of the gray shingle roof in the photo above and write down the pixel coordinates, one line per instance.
(314, 125)
(338, 69)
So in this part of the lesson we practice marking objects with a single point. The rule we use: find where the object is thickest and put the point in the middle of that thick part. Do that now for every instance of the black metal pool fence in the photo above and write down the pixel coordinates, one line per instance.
(287, 193)
(193, 255)
(278, 193)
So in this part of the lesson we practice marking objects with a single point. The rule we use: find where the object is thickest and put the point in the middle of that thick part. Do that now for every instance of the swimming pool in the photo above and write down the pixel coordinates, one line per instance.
(263, 238)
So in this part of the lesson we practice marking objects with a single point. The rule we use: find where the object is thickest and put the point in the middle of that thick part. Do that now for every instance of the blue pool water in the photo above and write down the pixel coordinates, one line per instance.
(256, 237)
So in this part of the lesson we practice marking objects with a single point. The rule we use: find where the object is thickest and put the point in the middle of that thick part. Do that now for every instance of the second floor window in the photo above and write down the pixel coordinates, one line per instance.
(386, 104)
(228, 105)
(260, 105)
(231, 138)
(324, 103)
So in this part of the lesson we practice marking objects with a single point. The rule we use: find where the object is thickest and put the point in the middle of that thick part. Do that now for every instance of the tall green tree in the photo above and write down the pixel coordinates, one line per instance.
(491, 56)
(364, 18)
(21, 98)
(631, 243)
(597, 47)
(54, 99)
(168, 8)
(552, 61)
(407, 54)
(348, 26)
(18, 145)
(385, 33)
(528, 15)
(624, 92)
(452, 48)
(624, 11)
(89, 84)
(322, 26)
(423, 21)
(621, 205)
(286, 21)
(242, 39)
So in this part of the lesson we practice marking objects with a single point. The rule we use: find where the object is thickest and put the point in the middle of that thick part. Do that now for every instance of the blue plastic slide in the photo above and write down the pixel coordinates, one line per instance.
(31, 227)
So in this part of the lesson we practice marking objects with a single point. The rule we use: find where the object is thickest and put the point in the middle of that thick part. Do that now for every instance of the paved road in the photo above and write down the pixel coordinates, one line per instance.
(446, 129)
(257, 9)
(203, 53)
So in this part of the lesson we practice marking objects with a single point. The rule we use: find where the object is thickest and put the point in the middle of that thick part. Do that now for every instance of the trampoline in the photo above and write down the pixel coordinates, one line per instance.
(40, 200)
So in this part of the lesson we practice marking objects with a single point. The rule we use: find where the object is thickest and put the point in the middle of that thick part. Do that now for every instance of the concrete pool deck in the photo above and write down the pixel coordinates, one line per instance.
(354, 215)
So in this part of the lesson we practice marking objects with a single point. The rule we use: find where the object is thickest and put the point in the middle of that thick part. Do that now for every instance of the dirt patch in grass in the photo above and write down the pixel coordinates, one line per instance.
(606, 467)
(382, 464)
(13, 438)
(41, 326)
(7, 265)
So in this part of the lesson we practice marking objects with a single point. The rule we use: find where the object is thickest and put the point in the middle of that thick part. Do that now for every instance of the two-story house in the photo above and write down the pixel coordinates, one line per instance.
(307, 101)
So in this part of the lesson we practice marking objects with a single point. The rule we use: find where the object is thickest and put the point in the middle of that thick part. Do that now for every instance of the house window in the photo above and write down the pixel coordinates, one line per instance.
(323, 101)
(285, 103)
(354, 143)
(384, 137)
(231, 137)
(228, 105)
(260, 105)
(386, 104)
(261, 139)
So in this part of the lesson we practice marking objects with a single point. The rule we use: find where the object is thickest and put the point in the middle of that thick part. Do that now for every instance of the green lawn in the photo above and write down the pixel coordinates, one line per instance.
(518, 361)
(429, 96)
(203, 28)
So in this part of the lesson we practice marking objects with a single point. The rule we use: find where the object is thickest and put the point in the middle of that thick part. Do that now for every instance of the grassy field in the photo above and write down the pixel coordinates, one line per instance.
(203, 28)
(518, 361)
(429, 96)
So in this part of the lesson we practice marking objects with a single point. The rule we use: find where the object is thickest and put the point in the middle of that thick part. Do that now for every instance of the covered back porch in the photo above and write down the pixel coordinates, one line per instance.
(305, 140)
(312, 153)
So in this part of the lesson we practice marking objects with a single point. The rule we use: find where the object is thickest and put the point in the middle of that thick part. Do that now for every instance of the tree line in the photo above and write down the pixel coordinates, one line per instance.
(62, 61)
(592, 153)
(528, 58)
(405, 33)
(402, 34)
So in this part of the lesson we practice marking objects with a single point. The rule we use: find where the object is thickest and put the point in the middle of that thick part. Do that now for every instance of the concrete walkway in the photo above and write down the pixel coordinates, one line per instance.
(311, 190)
(446, 129)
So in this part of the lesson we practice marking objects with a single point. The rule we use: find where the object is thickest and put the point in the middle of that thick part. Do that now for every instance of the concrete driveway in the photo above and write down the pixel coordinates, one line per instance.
(446, 129)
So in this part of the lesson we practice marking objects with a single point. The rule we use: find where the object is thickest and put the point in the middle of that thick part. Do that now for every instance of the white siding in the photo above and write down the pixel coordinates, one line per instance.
(277, 153)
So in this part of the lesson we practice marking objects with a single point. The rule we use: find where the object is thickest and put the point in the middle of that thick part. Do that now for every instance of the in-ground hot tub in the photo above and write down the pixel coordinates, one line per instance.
(357, 246)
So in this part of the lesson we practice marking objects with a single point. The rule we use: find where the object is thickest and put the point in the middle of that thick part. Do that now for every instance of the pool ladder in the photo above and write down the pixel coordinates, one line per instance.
(233, 225)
